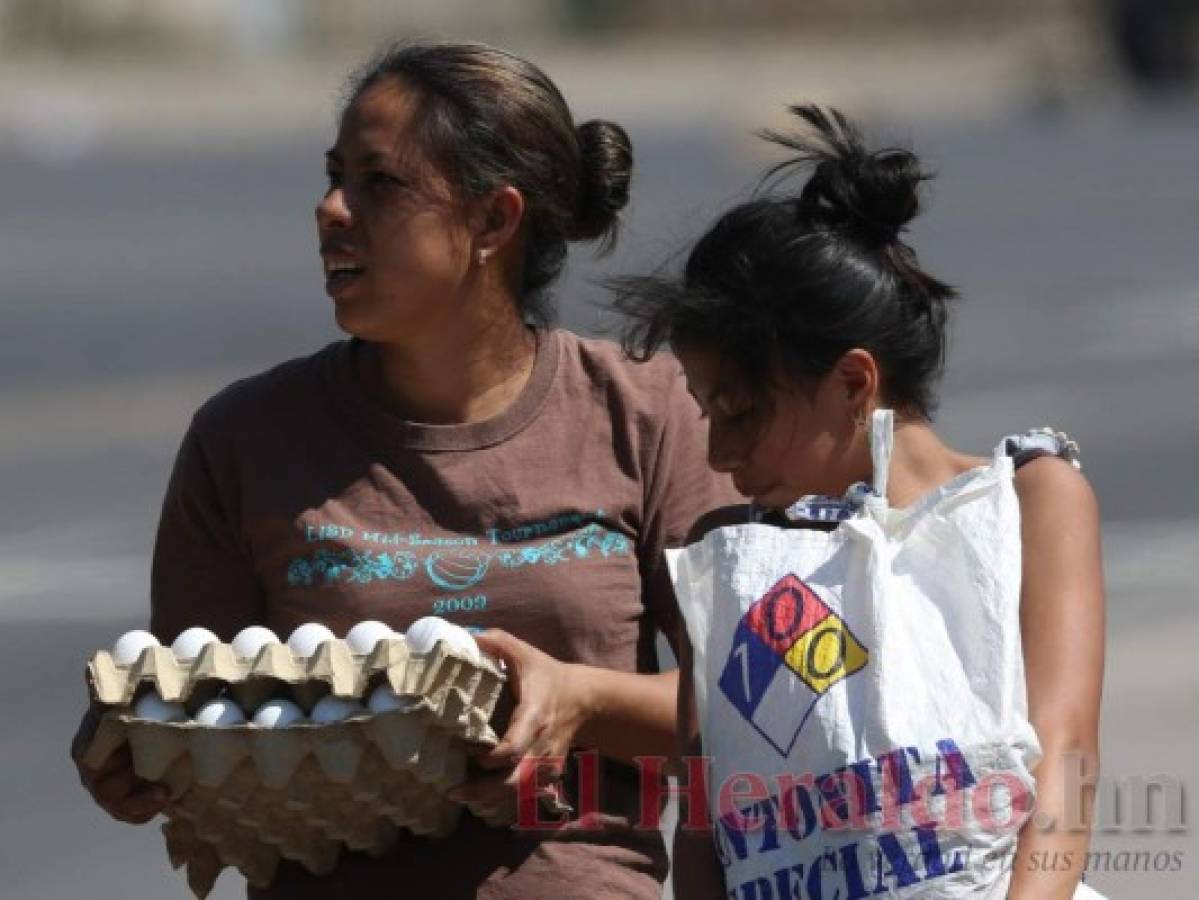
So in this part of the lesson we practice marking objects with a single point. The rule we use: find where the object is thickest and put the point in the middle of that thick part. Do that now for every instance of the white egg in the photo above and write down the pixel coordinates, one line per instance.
(384, 699)
(306, 639)
(334, 709)
(154, 709)
(129, 646)
(363, 636)
(425, 633)
(221, 711)
(278, 713)
(248, 642)
(190, 643)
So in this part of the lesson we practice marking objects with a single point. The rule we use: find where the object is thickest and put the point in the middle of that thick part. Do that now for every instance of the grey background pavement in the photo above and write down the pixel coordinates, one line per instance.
(148, 263)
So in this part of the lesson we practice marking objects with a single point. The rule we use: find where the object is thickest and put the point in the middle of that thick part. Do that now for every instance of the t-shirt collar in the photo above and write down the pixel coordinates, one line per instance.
(350, 396)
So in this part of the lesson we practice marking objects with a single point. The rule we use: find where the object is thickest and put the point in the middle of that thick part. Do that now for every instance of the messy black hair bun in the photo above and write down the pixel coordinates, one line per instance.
(606, 168)
(870, 194)
(789, 281)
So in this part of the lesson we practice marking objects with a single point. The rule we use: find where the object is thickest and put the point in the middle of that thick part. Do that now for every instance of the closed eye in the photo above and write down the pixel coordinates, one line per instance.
(742, 415)
(383, 179)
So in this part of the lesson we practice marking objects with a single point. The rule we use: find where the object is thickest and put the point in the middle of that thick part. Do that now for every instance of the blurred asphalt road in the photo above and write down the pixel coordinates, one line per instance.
(138, 280)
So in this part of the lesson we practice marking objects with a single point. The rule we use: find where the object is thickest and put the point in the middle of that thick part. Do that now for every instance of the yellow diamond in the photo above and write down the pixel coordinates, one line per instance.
(826, 653)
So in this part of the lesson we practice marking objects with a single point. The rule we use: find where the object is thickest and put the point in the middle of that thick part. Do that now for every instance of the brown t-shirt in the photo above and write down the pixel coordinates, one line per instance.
(295, 499)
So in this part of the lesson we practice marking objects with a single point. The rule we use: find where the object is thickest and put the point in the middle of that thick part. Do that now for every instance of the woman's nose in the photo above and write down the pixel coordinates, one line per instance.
(333, 211)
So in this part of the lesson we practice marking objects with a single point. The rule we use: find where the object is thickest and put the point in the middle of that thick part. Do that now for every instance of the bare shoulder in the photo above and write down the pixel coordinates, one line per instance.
(1061, 541)
(1051, 487)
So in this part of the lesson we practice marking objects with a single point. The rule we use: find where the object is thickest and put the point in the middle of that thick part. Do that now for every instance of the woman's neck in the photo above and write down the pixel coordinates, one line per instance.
(468, 372)
(921, 463)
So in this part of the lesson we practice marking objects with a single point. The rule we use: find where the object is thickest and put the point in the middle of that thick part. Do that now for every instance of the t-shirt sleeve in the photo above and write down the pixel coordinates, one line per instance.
(201, 573)
(682, 490)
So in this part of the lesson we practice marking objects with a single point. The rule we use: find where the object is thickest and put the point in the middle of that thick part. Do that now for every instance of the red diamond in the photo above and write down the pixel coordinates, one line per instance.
(785, 612)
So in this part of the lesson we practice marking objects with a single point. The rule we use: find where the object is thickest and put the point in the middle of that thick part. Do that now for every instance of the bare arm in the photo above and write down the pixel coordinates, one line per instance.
(1062, 625)
(628, 714)
(561, 705)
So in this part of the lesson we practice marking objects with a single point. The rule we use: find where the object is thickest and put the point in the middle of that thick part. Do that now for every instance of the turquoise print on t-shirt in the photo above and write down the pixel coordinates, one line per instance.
(450, 563)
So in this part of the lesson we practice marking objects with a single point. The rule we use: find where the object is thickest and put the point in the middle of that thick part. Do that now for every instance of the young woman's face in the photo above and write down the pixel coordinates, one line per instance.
(803, 441)
(395, 245)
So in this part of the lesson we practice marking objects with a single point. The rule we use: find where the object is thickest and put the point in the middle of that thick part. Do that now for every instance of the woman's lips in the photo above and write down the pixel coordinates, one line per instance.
(341, 264)
(338, 281)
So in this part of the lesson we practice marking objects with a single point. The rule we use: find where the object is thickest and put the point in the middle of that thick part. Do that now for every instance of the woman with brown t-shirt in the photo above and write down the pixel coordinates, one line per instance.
(452, 459)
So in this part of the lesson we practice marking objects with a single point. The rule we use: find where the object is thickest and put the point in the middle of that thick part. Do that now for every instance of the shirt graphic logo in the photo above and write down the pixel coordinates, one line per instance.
(456, 570)
(789, 649)
(458, 564)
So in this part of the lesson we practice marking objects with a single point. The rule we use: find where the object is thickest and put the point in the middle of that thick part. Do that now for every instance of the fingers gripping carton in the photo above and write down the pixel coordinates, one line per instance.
(247, 796)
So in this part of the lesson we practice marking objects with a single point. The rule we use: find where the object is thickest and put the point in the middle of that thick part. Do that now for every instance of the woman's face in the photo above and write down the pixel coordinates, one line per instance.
(803, 441)
(396, 247)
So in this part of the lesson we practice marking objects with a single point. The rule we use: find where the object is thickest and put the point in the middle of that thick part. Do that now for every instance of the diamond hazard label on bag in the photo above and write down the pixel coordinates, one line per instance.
(789, 649)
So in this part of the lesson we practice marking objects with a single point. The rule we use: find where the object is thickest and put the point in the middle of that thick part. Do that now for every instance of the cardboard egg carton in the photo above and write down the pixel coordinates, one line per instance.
(455, 688)
(247, 797)
(310, 820)
(208, 830)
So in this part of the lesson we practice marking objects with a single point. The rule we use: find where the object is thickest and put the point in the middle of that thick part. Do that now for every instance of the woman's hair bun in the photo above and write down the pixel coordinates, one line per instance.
(871, 194)
(606, 168)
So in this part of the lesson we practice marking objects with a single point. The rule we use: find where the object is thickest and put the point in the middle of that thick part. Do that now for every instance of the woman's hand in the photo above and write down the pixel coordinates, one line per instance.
(552, 704)
(114, 786)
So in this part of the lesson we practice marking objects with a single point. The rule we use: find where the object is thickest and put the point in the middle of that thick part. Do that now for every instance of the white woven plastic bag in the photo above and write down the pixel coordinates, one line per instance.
(861, 694)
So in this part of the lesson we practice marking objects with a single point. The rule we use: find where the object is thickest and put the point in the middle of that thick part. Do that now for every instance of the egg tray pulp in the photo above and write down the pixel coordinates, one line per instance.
(247, 796)
(452, 685)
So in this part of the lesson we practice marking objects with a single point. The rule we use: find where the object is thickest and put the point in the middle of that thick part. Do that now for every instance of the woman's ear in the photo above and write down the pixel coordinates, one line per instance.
(496, 220)
(857, 375)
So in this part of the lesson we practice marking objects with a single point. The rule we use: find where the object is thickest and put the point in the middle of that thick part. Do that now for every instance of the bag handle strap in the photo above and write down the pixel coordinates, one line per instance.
(882, 447)
(815, 508)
